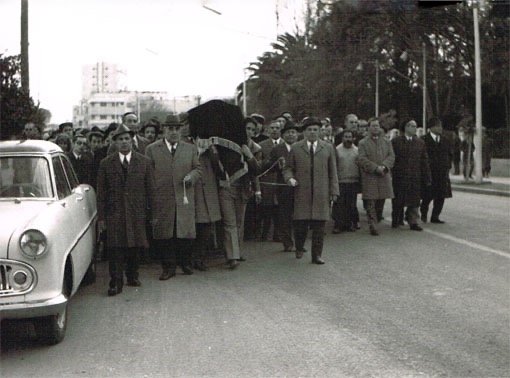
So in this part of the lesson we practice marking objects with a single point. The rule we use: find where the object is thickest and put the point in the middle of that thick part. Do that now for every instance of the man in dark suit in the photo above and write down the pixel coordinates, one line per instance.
(81, 160)
(284, 194)
(130, 120)
(125, 185)
(440, 154)
(311, 171)
(410, 171)
(98, 152)
(269, 205)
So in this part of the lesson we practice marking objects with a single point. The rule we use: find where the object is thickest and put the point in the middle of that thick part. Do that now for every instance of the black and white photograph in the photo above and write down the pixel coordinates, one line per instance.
(255, 188)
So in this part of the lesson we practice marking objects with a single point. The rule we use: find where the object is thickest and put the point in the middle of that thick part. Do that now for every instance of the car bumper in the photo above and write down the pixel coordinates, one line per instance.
(33, 309)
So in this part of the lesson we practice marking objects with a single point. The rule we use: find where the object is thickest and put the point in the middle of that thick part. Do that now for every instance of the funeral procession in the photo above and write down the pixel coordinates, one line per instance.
(255, 188)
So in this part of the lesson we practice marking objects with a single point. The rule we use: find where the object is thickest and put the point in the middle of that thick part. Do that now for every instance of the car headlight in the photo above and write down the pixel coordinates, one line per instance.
(33, 243)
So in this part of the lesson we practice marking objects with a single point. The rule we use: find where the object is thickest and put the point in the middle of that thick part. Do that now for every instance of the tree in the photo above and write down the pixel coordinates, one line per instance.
(16, 107)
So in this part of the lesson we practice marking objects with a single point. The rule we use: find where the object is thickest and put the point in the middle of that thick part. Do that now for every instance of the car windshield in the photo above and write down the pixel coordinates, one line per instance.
(24, 177)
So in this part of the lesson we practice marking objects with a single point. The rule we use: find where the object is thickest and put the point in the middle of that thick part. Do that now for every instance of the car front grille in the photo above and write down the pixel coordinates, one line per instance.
(16, 278)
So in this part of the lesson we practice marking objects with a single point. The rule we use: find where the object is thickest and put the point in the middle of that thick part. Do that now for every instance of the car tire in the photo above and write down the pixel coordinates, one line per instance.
(51, 329)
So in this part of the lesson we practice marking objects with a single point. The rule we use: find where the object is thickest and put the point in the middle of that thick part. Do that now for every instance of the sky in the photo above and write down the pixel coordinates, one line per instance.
(176, 46)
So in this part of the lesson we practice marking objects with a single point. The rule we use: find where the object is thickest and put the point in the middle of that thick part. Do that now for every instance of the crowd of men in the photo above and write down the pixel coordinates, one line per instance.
(163, 193)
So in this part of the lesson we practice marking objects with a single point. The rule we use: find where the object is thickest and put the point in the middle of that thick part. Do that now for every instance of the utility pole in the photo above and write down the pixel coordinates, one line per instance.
(376, 88)
(424, 102)
(478, 92)
(25, 81)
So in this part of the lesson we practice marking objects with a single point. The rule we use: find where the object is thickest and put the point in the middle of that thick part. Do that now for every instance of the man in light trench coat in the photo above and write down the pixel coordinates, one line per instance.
(311, 170)
(176, 171)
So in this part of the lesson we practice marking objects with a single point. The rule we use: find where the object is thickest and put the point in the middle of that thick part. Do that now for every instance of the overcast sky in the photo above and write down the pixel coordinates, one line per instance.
(168, 45)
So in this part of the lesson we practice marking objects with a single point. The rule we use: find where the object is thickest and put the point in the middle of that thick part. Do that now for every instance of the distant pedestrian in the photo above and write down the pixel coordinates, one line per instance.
(440, 153)
(376, 159)
(311, 171)
(125, 186)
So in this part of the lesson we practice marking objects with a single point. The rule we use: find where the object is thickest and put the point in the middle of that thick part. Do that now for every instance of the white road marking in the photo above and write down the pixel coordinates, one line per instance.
(468, 243)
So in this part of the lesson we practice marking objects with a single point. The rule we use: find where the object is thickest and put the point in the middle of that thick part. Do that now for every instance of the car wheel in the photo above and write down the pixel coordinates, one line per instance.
(51, 329)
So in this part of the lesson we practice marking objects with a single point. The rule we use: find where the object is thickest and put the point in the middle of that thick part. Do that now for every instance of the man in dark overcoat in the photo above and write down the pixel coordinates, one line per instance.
(440, 154)
(176, 170)
(311, 171)
(410, 171)
(284, 194)
(125, 185)
(376, 159)
(81, 160)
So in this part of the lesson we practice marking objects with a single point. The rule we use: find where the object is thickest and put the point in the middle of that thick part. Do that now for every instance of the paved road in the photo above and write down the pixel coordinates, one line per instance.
(404, 304)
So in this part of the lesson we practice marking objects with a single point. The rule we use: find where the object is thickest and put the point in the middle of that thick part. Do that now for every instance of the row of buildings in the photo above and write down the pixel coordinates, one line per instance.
(105, 98)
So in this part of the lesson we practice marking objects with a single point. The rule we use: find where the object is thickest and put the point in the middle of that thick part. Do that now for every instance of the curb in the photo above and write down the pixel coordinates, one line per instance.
(477, 190)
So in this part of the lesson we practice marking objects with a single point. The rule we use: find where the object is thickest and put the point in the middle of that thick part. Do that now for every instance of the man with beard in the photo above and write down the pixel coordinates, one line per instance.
(345, 213)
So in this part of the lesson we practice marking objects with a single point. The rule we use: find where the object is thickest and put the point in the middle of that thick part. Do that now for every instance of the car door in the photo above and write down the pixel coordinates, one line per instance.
(75, 229)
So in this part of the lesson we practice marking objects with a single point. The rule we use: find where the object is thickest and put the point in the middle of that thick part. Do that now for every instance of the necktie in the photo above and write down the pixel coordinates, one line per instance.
(125, 163)
(437, 139)
(311, 165)
(173, 149)
(275, 142)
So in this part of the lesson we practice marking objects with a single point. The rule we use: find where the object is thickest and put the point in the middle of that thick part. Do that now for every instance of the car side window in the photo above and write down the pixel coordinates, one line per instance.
(71, 175)
(63, 189)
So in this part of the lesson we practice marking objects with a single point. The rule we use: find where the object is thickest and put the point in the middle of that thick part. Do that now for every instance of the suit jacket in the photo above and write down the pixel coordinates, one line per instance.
(411, 169)
(99, 155)
(169, 210)
(268, 191)
(440, 161)
(83, 167)
(123, 199)
(371, 154)
(312, 201)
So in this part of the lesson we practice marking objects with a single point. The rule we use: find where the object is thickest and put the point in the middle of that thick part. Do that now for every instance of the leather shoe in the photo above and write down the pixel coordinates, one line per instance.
(201, 266)
(318, 261)
(373, 231)
(438, 221)
(166, 275)
(287, 247)
(136, 282)
(233, 264)
(424, 218)
(415, 227)
(186, 270)
(114, 291)
(299, 253)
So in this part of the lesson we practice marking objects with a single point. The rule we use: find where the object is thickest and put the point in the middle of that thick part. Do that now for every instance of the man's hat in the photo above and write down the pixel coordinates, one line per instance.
(122, 129)
(258, 117)
(311, 121)
(62, 125)
(289, 125)
(173, 120)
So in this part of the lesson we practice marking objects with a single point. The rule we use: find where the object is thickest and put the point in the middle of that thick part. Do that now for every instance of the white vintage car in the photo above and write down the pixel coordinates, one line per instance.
(47, 235)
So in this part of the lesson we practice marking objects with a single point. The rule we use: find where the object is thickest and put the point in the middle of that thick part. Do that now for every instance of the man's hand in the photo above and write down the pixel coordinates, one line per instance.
(258, 197)
(187, 181)
(380, 170)
(333, 198)
(292, 182)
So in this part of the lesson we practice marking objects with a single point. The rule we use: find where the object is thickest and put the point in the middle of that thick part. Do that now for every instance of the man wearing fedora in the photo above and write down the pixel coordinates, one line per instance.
(130, 120)
(284, 194)
(125, 185)
(311, 171)
(176, 169)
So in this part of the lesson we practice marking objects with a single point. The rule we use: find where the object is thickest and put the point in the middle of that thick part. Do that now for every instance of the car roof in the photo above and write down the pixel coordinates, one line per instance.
(29, 145)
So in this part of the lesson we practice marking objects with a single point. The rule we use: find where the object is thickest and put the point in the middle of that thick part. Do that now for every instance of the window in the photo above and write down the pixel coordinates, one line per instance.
(63, 189)
(71, 176)
(102, 104)
(102, 116)
(25, 177)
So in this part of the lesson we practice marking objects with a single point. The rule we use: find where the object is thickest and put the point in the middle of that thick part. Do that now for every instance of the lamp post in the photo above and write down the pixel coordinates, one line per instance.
(376, 88)
(478, 95)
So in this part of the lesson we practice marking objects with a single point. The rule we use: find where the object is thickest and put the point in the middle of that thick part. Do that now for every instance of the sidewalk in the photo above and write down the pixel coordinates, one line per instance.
(496, 186)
